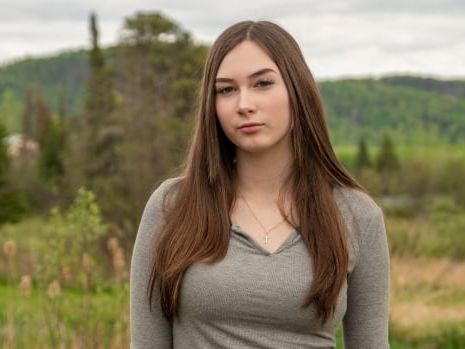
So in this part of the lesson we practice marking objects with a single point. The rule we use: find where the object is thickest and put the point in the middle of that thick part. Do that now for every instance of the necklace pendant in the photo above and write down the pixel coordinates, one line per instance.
(266, 239)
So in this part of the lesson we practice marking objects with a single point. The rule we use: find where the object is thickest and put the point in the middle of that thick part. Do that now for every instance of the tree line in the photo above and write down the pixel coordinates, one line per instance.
(136, 118)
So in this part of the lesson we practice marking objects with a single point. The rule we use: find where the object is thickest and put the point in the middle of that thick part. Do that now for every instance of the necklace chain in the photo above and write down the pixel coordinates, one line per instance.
(261, 225)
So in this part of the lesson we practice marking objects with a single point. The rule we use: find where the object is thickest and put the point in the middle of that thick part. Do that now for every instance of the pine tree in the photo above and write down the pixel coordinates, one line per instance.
(43, 117)
(101, 137)
(4, 160)
(51, 165)
(387, 159)
(387, 165)
(100, 92)
(363, 157)
(28, 120)
(12, 203)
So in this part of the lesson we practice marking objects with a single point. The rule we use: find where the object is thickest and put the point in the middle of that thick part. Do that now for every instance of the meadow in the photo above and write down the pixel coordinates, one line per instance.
(64, 277)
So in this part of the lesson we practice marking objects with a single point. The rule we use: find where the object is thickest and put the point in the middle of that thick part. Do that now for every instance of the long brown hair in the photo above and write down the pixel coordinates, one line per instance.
(192, 233)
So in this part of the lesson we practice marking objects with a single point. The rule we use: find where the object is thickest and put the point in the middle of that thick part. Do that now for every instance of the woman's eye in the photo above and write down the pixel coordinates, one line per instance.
(224, 90)
(264, 83)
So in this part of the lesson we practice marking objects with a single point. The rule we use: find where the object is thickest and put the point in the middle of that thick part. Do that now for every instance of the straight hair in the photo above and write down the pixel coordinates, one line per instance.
(199, 227)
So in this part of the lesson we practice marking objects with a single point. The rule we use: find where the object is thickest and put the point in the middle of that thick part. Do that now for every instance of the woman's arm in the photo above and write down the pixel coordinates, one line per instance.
(365, 323)
(149, 329)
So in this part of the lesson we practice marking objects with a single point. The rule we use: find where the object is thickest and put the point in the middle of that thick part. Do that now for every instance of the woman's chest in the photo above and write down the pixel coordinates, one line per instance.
(250, 286)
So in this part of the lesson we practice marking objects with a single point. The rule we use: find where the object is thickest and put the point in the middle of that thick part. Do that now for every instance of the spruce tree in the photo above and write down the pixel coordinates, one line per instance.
(51, 165)
(43, 117)
(28, 120)
(387, 165)
(4, 160)
(101, 139)
(12, 203)
(387, 159)
(363, 157)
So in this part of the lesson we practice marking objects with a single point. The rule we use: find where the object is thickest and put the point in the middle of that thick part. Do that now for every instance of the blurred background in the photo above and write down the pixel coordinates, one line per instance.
(96, 109)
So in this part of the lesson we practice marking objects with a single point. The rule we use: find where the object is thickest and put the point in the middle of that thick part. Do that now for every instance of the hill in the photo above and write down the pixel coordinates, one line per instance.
(412, 108)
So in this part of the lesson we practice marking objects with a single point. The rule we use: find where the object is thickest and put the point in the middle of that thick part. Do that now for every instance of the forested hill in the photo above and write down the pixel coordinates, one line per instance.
(59, 76)
(404, 105)
(411, 107)
(449, 88)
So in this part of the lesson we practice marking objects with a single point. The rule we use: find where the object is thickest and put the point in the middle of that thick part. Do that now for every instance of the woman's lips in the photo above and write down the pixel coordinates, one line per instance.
(251, 129)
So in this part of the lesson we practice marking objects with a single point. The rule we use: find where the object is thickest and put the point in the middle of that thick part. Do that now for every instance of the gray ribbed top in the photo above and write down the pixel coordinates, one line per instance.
(252, 298)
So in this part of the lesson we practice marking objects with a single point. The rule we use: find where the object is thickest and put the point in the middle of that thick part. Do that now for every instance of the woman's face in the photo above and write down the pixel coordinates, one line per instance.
(251, 91)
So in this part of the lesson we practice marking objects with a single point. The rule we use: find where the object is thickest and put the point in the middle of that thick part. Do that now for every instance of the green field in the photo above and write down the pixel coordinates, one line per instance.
(425, 222)
(427, 294)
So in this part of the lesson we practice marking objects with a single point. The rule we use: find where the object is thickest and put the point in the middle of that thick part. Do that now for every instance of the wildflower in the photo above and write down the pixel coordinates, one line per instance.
(112, 244)
(9, 248)
(54, 289)
(119, 262)
(85, 262)
(25, 285)
(66, 274)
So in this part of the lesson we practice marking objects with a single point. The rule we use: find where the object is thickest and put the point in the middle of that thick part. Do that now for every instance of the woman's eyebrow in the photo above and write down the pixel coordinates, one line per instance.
(251, 76)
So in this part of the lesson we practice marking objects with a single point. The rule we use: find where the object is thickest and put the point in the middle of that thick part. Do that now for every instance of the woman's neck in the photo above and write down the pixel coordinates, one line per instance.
(261, 175)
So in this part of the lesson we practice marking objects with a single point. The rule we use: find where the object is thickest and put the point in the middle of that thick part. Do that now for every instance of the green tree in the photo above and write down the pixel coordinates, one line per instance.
(159, 68)
(387, 161)
(4, 160)
(43, 117)
(51, 166)
(13, 204)
(102, 136)
(10, 110)
(28, 117)
(363, 157)
(387, 165)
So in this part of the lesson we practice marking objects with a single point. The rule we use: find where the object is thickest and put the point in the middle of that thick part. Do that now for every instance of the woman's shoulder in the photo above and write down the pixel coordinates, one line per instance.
(168, 183)
(153, 211)
(158, 195)
(363, 219)
(355, 203)
(156, 200)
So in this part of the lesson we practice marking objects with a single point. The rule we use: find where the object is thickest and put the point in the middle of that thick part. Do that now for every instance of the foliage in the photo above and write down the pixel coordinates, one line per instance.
(387, 159)
(13, 204)
(448, 88)
(157, 68)
(79, 293)
(100, 138)
(51, 163)
(363, 157)
(4, 160)
(412, 114)
(10, 110)
(72, 236)
(436, 232)
(61, 76)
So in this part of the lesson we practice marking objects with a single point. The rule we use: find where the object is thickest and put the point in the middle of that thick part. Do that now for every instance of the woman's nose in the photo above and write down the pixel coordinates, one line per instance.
(245, 103)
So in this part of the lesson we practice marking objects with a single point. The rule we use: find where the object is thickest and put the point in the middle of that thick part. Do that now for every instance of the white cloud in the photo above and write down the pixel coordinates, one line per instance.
(353, 37)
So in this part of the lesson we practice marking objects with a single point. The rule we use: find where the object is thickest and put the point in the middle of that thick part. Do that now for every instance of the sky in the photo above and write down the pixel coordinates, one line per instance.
(339, 38)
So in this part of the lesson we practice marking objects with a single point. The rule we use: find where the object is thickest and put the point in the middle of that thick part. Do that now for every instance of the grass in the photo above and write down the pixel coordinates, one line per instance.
(428, 302)
(434, 235)
(418, 319)
(39, 321)
(427, 307)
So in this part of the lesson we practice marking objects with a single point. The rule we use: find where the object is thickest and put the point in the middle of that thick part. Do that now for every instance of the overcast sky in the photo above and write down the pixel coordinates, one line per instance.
(338, 37)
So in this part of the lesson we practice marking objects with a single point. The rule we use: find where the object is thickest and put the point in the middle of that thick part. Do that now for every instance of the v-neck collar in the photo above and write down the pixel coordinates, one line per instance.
(293, 236)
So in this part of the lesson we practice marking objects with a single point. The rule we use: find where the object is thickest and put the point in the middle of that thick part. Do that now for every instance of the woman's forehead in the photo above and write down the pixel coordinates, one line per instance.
(245, 59)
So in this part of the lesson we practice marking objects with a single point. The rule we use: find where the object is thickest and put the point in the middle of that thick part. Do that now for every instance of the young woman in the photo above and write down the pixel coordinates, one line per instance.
(265, 240)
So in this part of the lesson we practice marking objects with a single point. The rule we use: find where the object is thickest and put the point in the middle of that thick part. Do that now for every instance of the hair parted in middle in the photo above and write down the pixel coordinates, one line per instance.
(197, 224)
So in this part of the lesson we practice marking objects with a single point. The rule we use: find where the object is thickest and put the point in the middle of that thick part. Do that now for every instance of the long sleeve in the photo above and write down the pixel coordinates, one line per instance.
(149, 329)
(365, 324)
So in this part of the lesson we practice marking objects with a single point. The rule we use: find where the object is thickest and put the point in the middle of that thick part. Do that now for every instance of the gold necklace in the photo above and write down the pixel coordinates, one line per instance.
(264, 229)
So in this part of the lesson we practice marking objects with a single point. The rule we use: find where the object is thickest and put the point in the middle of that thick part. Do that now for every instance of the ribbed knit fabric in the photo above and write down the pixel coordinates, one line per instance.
(252, 298)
